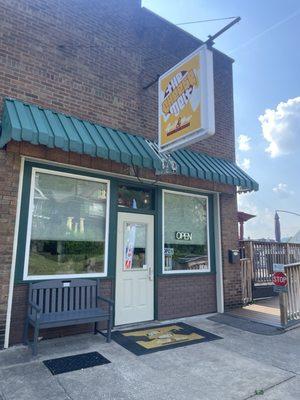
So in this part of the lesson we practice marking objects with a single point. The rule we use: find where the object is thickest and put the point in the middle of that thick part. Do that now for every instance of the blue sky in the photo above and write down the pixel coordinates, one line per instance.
(265, 47)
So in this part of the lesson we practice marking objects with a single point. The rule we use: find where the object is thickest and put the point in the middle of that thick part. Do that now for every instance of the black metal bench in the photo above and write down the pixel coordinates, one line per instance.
(59, 303)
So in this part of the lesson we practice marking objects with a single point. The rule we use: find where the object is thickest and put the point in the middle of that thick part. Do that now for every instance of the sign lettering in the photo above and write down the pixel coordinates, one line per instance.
(186, 236)
(280, 282)
(186, 101)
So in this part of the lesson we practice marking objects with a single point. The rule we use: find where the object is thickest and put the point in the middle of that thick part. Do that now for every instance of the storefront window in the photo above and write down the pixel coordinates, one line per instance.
(186, 247)
(68, 225)
(133, 197)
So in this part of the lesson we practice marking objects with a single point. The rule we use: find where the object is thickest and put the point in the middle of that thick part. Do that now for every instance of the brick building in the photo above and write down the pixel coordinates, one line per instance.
(77, 175)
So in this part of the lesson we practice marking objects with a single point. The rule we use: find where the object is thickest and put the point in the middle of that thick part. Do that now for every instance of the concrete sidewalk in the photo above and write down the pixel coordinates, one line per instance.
(231, 368)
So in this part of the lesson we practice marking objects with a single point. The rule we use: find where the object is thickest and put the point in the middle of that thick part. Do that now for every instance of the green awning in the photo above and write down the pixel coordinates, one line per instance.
(39, 126)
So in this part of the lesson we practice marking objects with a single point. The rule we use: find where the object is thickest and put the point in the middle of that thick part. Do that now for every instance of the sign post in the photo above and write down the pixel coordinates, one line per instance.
(280, 282)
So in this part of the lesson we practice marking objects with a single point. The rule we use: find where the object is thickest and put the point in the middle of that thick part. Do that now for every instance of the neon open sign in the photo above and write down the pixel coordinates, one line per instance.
(186, 236)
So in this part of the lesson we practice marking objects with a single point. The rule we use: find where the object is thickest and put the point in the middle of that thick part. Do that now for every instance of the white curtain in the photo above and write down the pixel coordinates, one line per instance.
(68, 209)
(184, 213)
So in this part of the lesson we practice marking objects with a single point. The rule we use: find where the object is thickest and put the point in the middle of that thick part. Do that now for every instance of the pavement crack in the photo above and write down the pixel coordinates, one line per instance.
(271, 387)
(68, 396)
(286, 370)
(23, 364)
(2, 396)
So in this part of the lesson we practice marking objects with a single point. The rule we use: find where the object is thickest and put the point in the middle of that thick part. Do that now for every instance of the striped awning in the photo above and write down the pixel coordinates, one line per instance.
(39, 126)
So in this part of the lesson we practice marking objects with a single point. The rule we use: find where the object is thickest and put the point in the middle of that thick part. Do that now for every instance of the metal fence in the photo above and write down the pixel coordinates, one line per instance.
(264, 254)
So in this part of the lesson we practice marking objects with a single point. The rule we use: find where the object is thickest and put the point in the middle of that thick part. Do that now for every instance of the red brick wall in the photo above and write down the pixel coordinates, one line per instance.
(183, 296)
(229, 232)
(92, 59)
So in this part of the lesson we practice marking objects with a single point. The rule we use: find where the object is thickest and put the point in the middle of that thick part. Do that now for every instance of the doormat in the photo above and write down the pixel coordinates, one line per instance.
(74, 363)
(161, 337)
(246, 325)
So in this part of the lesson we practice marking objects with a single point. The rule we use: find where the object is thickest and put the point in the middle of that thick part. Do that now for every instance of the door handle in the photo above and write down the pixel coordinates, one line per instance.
(150, 275)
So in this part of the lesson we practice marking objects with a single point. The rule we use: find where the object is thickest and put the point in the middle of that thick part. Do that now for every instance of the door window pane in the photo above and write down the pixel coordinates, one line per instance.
(133, 197)
(68, 226)
(134, 246)
(185, 233)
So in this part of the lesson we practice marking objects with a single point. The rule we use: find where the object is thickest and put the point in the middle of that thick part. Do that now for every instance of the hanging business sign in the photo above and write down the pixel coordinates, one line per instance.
(186, 101)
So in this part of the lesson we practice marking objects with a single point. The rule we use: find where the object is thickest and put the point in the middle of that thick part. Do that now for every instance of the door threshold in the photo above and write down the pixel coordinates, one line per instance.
(155, 322)
(136, 325)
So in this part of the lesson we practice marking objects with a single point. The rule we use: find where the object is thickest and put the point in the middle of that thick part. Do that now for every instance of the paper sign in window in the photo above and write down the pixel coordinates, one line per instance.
(135, 246)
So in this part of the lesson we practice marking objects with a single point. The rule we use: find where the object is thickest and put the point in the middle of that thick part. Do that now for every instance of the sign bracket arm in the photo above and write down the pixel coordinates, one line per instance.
(209, 43)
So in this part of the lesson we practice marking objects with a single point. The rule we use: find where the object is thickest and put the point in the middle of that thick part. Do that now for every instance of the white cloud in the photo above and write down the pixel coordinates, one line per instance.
(262, 226)
(244, 163)
(244, 143)
(282, 190)
(281, 127)
(246, 204)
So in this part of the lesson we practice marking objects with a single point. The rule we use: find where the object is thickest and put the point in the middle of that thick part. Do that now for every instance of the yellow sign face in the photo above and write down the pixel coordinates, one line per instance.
(184, 99)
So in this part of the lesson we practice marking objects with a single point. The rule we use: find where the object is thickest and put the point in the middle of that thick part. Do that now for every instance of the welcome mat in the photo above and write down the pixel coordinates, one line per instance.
(161, 337)
(74, 363)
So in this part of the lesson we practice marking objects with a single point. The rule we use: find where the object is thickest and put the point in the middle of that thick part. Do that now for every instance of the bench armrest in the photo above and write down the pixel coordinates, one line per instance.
(37, 309)
(35, 306)
(109, 301)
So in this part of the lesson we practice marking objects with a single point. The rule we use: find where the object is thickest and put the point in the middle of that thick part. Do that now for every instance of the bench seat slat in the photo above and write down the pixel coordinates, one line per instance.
(53, 300)
(82, 301)
(47, 301)
(77, 298)
(59, 299)
(94, 296)
(88, 297)
(71, 317)
(71, 306)
(65, 300)
(41, 293)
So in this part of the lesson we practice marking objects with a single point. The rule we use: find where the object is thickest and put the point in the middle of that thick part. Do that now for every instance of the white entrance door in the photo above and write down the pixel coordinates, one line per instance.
(134, 269)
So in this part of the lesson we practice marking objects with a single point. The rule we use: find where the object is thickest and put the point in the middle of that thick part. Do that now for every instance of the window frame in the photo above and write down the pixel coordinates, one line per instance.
(185, 271)
(27, 277)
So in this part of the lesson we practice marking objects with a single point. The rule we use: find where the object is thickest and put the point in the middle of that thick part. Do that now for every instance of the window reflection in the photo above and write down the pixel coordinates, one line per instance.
(68, 225)
(185, 233)
(133, 197)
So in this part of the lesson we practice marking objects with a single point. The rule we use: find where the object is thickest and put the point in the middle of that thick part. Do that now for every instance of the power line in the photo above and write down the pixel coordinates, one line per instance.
(204, 20)
(270, 28)
(288, 212)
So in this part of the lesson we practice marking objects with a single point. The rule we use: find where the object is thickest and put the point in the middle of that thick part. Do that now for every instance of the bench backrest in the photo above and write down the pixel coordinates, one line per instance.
(64, 295)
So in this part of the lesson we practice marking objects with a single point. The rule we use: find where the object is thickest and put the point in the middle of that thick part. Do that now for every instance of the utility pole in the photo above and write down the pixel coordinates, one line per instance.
(277, 223)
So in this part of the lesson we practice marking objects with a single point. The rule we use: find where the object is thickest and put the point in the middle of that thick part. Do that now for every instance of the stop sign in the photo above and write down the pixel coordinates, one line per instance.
(279, 279)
